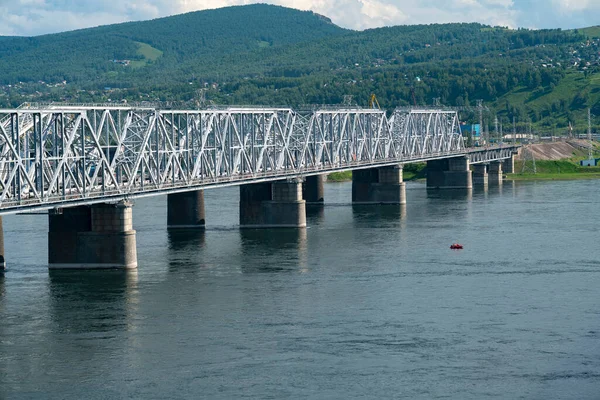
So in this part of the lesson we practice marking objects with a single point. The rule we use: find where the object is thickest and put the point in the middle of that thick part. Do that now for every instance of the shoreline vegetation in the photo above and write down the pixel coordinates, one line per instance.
(565, 169)
(412, 172)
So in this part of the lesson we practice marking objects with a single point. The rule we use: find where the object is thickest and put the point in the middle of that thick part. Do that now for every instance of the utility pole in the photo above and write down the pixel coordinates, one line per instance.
(528, 160)
(591, 149)
(481, 133)
(530, 129)
(501, 133)
(570, 130)
(514, 131)
(347, 100)
(496, 129)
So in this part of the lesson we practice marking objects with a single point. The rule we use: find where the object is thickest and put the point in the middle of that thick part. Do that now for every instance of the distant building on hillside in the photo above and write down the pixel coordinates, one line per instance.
(472, 131)
(521, 137)
(590, 163)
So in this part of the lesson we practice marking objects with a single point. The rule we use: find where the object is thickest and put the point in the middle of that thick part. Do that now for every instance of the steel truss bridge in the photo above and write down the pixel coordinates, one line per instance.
(60, 155)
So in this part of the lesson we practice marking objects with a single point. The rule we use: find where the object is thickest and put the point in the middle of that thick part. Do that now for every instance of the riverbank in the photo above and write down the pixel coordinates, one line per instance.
(411, 172)
(566, 169)
(552, 177)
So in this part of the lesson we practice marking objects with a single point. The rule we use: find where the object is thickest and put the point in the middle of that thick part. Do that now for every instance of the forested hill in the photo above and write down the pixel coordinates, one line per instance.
(90, 54)
(263, 54)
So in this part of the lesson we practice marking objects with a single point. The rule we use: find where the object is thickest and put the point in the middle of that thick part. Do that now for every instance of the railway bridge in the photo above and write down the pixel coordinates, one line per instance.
(86, 164)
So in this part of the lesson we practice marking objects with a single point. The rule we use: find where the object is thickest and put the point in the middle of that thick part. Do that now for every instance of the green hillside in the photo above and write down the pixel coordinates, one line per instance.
(262, 54)
(555, 107)
(79, 56)
(592, 32)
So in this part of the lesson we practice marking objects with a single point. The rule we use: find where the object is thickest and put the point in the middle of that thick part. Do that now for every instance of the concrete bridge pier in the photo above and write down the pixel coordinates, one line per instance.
(508, 165)
(449, 173)
(480, 174)
(313, 189)
(186, 210)
(272, 205)
(100, 236)
(383, 185)
(2, 260)
(495, 173)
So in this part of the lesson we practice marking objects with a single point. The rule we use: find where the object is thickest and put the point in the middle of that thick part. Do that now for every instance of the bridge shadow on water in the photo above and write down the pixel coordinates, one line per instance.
(273, 250)
(486, 191)
(480, 191)
(184, 239)
(315, 214)
(185, 248)
(450, 194)
(2, 288)
(369, 215)
(92, 302)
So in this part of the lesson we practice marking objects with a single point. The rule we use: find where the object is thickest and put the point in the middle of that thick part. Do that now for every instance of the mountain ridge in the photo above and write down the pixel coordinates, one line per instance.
(263, 54)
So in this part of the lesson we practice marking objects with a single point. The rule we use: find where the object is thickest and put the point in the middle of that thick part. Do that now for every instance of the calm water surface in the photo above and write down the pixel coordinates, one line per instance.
(368, 302)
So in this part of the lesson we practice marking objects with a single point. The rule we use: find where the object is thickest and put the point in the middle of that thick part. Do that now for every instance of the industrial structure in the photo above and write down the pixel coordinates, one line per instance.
(86, 163)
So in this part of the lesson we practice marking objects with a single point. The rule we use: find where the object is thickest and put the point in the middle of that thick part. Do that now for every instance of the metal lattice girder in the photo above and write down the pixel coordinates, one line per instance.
(486, 155)
(58, 155)
(423, 132)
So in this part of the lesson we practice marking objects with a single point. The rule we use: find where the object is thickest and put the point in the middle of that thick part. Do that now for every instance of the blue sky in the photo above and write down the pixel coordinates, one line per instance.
(34, 17)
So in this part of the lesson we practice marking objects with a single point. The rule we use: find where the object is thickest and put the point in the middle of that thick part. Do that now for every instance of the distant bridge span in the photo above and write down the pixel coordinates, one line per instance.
(59, 155)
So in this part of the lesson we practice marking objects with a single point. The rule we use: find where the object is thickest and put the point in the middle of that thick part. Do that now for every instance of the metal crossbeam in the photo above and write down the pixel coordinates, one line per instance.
(58, 155)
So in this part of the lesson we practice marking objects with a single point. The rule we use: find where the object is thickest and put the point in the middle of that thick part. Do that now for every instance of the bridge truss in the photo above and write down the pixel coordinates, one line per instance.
(59, 154)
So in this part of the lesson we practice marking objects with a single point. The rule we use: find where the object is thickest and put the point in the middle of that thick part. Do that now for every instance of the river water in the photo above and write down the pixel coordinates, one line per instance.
(368, 302)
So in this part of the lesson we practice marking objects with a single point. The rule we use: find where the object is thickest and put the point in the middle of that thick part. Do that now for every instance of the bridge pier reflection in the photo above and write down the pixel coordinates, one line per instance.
(186, 249)
(388, 212)
(278, 250)
(90, 294)
(315, 213)
(496, 190)
(451, 194)
(2, 260)
(180, 239)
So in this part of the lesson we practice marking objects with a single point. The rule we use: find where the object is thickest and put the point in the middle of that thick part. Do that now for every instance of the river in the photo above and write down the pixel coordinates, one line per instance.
(368, 302)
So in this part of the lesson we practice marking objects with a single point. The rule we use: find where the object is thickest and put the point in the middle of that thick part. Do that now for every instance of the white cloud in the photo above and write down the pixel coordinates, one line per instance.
(572, 5)
(32, 17)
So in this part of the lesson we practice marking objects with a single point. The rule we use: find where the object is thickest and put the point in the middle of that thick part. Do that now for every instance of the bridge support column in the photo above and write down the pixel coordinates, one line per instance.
(186, 210)
(313, 189)
(92, 237)
(272, 205)
(2, 260)
(495, 173)
(480, 174)
(449, 173)
(508, 165)
(378, 186)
